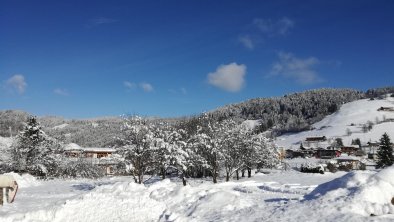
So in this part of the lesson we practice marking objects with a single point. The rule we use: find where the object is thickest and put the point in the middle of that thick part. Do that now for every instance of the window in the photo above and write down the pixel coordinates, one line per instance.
(101, 155)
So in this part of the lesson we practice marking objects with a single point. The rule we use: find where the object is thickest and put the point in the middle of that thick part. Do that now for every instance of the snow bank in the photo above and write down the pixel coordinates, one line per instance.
(354, 197)
(207, 203)
(26, 180)
(361, 192)
(119, 202)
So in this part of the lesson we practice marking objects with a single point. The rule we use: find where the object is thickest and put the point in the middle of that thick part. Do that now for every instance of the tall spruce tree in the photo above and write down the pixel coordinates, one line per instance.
(33, 150)
(385, 153)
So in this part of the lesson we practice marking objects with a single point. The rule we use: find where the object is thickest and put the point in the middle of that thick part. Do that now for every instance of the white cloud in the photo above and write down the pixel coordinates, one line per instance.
(129, 85)
(61, 92)
(284, 25)
(146, 87)
(228, 77)
(183, 91)
(17, 83)
(301, 70)
(247, 41)
(274, 27)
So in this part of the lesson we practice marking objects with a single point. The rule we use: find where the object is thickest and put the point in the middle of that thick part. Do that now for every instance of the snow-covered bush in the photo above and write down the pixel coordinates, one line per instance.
(79, 168)
(312, 168)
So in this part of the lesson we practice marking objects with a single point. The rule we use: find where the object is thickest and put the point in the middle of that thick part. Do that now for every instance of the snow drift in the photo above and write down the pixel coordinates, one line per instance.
(360, 192)
(25, 180)
(355, 196)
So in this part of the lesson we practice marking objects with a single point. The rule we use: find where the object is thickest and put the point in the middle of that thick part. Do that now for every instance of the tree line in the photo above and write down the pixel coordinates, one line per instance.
(195, 148)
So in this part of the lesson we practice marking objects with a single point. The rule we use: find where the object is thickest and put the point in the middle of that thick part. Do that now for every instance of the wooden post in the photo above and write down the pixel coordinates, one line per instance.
(1, 196)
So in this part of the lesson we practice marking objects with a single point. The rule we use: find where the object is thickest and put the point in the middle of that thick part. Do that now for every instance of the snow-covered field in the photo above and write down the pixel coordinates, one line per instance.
(278, 196)
(350, 116)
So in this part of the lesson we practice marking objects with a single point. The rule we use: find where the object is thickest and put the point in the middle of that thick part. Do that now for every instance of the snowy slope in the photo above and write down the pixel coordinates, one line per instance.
(350, 116)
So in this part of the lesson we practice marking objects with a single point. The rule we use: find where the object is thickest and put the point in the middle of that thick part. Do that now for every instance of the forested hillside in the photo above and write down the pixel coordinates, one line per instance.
(290, 113)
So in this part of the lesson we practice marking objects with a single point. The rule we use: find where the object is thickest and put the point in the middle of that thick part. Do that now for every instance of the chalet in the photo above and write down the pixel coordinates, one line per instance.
(316, 142)
(294, 154)
(327, 154)
(360, 153)
(97, 156)
(350, 150)
(349, 162)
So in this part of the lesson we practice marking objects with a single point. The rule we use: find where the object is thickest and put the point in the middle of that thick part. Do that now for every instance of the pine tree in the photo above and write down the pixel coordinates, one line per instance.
(385, 153)
(339, 142)
(33, 150)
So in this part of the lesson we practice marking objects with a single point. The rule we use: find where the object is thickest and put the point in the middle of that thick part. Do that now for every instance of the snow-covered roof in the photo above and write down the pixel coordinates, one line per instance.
(73, 146)
(98, 149)
(347, 158)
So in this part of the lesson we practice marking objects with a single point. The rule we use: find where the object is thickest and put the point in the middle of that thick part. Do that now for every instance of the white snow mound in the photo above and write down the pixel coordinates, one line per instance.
(359, 192)
(26, 180)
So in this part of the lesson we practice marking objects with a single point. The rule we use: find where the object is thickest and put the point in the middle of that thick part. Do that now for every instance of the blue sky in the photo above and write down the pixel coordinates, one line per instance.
(82, 59)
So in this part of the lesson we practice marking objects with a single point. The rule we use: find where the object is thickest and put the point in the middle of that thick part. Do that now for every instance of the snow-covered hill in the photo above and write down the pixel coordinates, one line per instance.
(347, 123)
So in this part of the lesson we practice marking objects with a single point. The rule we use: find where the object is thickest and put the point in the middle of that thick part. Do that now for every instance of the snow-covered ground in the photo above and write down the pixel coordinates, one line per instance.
(350, 116)
(278, 196)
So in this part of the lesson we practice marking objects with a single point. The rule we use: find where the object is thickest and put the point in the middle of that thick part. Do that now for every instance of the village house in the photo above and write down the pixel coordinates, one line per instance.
(316, 142)
(97, 156)
(350, 150)
(349, 163)
(327, 154)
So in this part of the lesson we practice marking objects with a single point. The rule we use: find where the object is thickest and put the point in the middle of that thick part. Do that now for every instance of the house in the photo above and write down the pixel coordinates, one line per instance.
(327, 154)
(349, 163)
(316, 142)
(294, 154)
(350, 150)
(360, 153)
(97, 156)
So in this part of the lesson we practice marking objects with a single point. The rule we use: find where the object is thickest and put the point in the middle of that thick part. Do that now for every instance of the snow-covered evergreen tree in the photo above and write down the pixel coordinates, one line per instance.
(385, 152)
(33, 151)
